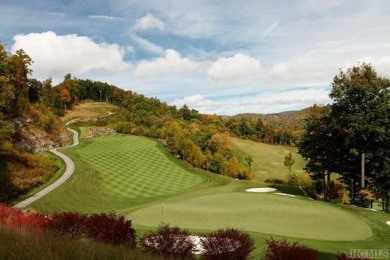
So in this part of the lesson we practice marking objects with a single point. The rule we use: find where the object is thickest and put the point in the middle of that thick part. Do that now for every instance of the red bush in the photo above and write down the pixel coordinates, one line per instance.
(283, 249)
(15, 218)
(169, 242)
(227, 244)
(70, 223)
(110, 228)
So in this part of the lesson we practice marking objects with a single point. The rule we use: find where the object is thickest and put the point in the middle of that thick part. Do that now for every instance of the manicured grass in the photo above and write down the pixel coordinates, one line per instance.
(136, 177)
(268, 159)
(116, 172)
(258, 212)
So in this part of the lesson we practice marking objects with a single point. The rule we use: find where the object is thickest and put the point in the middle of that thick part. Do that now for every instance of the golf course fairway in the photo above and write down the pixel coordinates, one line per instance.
(138, 178)
(265, 213)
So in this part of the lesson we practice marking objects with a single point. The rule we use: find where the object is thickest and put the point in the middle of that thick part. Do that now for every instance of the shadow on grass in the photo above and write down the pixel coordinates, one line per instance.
(287, 189)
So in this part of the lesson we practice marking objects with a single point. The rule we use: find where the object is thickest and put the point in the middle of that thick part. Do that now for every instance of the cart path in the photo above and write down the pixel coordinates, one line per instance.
(68, 172)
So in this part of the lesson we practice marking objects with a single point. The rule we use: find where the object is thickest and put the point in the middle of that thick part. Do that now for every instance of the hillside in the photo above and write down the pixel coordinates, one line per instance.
(291, 120)
(268, 159)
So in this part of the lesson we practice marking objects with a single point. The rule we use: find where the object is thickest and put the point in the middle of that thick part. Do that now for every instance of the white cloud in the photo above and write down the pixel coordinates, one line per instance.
(240, 66)
(171, 64)
(71, 53)
(197, 102)
(147, 45)
(149, 22)
(303, 70)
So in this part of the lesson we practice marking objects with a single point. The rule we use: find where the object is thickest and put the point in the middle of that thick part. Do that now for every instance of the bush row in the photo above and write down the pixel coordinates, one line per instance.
(179, 243)
(166, 241)
(105, 227)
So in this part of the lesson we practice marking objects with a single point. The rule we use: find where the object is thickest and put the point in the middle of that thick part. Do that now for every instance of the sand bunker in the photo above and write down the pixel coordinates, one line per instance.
(284, 194)
(261, 190)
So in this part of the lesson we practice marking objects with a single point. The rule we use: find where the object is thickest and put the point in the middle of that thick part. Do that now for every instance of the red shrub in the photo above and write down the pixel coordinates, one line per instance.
(227, 244)
(110, 228)
(17, 219)
(169, 242)
(285, 250)
(71, 223)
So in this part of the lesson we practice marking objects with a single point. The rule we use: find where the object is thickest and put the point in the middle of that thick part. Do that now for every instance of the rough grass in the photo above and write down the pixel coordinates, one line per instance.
(45, 245)
(89, 110)
(267, 159)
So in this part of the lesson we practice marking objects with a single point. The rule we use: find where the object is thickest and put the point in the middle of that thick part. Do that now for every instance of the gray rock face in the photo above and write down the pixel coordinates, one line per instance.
(98, 131)
(32, 138)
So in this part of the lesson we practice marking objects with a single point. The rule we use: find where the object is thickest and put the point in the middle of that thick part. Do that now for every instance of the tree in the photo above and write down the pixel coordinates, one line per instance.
(65, 96)
(321, 146)
(289, 161)
(361, 110)
(249, 161)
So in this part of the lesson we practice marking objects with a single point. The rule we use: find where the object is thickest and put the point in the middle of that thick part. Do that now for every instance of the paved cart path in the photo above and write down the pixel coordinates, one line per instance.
(68, 172)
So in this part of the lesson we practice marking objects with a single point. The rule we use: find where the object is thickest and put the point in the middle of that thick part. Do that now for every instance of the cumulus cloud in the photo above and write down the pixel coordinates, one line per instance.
(303, 70)
(240, 66)
(171, 64)
(61, 54)
(149, 22)
(199, 103)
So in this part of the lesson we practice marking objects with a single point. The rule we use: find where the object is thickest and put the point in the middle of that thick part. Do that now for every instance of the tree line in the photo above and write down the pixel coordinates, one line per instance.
(201, 140)
(351, 136)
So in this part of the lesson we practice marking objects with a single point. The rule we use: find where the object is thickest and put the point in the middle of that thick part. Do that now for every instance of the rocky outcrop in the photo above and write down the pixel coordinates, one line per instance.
(98, 131)
(30, 137)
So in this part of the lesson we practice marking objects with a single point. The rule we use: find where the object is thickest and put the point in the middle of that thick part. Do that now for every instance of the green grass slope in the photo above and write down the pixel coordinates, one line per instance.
(115, 172)
(136, 177)
(258, 212)
(267, 159)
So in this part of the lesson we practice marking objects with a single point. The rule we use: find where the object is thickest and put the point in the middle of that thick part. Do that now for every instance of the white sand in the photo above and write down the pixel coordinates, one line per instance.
(284, 194)
(198, 247)
(261, 190)
(388, 223)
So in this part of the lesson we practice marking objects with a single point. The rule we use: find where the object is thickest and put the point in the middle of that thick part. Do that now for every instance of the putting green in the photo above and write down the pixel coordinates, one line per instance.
(265, 213)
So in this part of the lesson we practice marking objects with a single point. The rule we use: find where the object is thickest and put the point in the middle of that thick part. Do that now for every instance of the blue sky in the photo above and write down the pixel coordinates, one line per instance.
(223, 57)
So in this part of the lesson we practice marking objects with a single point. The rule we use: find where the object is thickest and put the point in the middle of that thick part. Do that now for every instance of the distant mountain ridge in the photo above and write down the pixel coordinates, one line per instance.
(293, 119)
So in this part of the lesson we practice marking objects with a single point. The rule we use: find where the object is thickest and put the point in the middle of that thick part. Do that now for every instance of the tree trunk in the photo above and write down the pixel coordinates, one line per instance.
(325, 187)
(328, 183)
(363, 171)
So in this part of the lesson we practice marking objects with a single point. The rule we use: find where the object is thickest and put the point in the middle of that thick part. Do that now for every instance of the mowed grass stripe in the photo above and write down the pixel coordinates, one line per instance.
(133, 167)
(265, 213)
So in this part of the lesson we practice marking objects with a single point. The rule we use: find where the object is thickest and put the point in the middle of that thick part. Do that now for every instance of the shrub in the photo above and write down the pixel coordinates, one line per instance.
(17, 219)
(274, 181)
(291, 179)
(283, 249)
(169, 242)
(110, 228)
(227, 244)
(344, 256)
(71, 223)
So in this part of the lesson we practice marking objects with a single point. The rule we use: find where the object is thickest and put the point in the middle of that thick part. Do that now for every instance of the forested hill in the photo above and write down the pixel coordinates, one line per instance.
(283, 128)
(292, 120)
(27, 127)
(30, 111)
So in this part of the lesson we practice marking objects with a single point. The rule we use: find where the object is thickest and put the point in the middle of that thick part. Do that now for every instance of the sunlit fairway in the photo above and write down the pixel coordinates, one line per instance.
(265, 213)
(268, 159)
(137, 177)
(119, 171)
